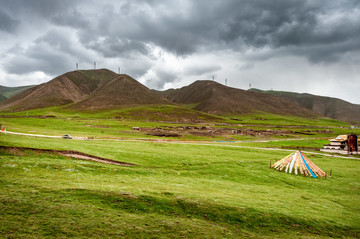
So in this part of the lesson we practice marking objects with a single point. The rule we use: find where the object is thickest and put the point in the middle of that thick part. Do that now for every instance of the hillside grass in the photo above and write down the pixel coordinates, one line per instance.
(119, 123)
(300, 144)
(7, 92)
(175, 190)
(263, 118)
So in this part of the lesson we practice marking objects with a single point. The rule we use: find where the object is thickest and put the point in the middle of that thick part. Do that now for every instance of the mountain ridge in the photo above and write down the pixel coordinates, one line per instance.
(327, 106)
(215, 98)
(79, 89)
(119, 92)
(103, 89)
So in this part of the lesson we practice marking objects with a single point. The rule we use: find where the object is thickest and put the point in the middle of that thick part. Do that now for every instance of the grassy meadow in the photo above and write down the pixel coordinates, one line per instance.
(119, 123)
(176, 189)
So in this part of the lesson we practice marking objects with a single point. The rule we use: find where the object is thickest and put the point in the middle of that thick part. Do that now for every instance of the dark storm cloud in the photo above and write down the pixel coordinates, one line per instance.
(236, 25)
(184, 28)
(303, 25)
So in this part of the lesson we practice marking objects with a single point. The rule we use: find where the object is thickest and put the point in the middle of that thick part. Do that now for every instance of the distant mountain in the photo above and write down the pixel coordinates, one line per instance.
(7, 92)
(214, 98)
(84, 89)
(119, 92)
(104, 89)
(326, 106)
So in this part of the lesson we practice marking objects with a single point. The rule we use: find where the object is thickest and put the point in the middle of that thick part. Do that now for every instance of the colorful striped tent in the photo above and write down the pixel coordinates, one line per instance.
(298, 163)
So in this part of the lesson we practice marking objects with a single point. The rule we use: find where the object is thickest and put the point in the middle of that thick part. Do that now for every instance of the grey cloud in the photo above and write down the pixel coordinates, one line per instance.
(198, 70)
(162, 76)
(147, 24)
(7, 23)
(135, 70)
(36, 8)
(167, 75)
(60, 41)
(72, 18)
(53, 53)
(235, 25)
(50, 62)
(188, 27)
(135, 67)
(112, 47)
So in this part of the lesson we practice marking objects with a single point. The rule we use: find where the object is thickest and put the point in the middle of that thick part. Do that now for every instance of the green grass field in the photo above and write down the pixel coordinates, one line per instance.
(176, 189)
(119, 123)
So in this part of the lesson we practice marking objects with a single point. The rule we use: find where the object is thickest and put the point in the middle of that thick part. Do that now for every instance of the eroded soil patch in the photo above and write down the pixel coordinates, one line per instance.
(67, 153)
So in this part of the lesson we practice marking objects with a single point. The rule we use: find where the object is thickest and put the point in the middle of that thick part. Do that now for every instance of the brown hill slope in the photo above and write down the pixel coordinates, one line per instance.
(85, 90)
(68, 88)
(119, 92)
(214, 98)
(326, 106)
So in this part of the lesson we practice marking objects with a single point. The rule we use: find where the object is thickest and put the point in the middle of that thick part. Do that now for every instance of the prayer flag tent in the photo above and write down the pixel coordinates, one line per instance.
(298, 163)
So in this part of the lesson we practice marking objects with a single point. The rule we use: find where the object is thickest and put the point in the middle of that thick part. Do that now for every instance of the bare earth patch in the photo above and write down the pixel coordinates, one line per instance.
(72, 154)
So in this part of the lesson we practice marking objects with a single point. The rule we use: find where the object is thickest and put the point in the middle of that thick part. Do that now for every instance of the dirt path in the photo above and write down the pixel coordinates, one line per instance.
(41, 135)
(72, 154)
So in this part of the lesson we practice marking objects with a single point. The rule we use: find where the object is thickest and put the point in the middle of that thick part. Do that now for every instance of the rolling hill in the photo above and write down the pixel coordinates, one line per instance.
(214, 98)
(7, 92)
(119, 92)
(326, 106)
(103, 89)
(86, 90)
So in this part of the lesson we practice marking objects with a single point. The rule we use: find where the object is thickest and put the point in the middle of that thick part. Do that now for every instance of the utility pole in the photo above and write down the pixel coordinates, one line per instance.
(94, 65)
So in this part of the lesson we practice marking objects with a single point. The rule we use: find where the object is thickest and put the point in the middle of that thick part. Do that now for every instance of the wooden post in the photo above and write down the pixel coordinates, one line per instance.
(330, 172)
(270, 164)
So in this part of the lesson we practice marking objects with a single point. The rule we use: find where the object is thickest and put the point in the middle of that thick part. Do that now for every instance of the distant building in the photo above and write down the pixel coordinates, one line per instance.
(343, 144)
(339, 143)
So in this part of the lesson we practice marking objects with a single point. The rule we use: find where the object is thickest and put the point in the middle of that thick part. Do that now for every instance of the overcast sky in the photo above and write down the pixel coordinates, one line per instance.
(291, 45)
